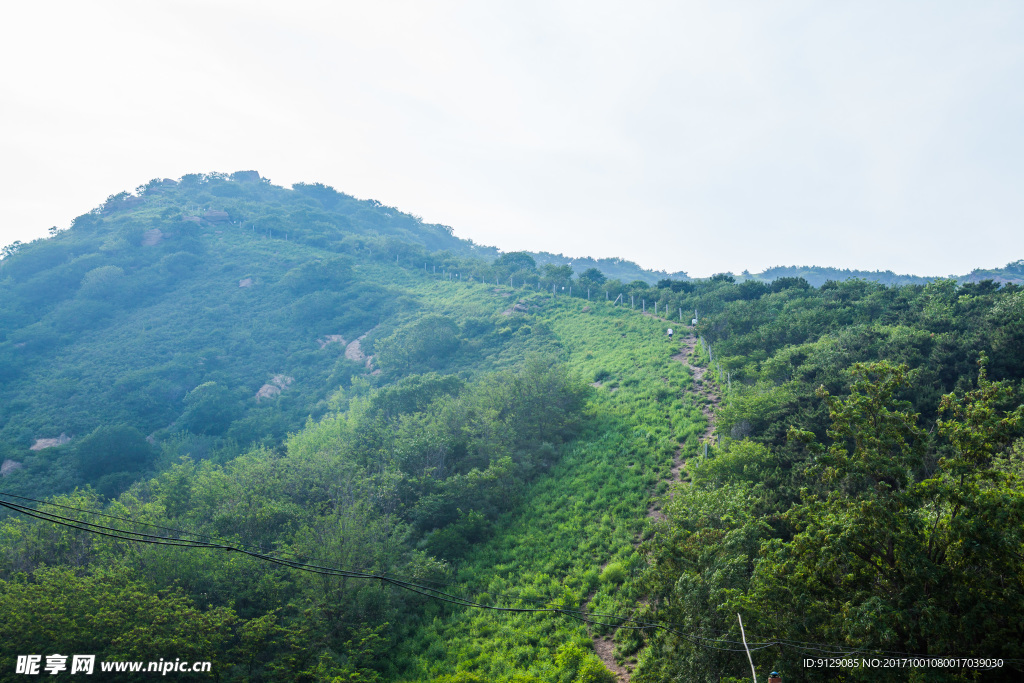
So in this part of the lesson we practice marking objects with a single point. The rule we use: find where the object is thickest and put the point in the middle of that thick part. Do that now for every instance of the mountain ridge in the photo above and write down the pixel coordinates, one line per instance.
(222, 187)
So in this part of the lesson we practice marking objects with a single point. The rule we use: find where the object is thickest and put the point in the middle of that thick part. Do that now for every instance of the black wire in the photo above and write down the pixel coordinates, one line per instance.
(224, 545)
(580, 615)
(101, 514)
(40, 513)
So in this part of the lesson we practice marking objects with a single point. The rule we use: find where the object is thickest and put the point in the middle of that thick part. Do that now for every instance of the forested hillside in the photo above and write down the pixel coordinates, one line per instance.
(311, 438)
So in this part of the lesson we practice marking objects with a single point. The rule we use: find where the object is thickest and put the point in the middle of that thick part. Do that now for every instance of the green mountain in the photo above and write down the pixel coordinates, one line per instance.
(817, 275)
(1012, 273)
(305, 437)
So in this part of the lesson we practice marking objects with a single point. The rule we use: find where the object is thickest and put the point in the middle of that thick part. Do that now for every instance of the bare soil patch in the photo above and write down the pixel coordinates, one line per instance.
(40, 444)
(605, 649)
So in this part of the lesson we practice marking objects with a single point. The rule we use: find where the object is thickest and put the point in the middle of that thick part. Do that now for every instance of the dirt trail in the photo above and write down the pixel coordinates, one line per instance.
(703, 389)
(605, 647)
(710, 400)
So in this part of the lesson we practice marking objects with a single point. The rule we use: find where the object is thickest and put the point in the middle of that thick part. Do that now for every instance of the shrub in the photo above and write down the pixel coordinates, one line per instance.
(614, 573)
(115, 448)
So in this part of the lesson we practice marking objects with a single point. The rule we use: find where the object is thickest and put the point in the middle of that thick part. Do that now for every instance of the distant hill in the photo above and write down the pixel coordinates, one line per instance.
(818, 275)
(1013, 273)
(613, 268)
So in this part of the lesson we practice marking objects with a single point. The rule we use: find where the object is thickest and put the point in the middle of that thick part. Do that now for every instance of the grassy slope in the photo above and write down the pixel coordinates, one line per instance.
(590, 510)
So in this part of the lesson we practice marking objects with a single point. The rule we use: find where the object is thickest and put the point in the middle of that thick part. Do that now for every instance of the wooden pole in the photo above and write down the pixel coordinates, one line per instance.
(749, 658)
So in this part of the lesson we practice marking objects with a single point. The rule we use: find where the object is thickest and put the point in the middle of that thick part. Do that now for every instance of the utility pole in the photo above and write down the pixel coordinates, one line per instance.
(749, 658)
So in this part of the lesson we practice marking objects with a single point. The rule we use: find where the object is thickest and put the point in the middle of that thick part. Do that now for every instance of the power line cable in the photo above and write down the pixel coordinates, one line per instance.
(102, 514)
(581, 615)
(120, 534)
(577, 614)
(223, 545)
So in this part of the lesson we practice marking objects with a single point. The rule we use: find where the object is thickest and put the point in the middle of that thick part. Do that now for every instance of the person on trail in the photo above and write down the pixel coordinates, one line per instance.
(670, 333)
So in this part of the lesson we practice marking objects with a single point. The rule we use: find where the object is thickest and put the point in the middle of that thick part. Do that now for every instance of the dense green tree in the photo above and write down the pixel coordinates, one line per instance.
(209, 409)
(591, 277)
(105, 282)
(557, 274)
(109, 613)
(515, 261)
(426, 344)
(114, 448)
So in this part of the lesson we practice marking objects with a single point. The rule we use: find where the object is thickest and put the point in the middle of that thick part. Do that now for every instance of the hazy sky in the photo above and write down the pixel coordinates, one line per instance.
(696, 136)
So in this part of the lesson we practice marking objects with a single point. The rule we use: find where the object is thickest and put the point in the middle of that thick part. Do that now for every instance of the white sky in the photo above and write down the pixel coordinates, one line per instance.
(697, 136)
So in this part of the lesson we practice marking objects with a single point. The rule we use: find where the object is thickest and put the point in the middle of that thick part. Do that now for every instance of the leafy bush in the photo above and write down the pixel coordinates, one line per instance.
(426, 344)
(209, 409)
(110, 449)
(614, 573)
(105, 282)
